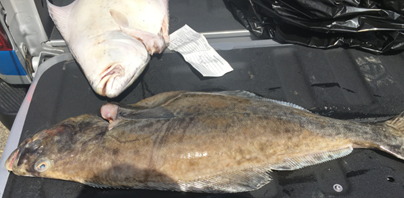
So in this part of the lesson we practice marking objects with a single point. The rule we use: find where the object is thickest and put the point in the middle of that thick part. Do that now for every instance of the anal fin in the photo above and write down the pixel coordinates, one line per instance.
(235, 181)
(308, 160)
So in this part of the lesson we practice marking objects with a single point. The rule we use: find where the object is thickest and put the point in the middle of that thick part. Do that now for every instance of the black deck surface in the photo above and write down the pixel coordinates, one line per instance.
(338, 83)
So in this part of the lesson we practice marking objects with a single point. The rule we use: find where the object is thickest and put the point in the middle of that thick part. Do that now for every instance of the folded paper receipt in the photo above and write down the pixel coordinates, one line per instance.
(196, 50)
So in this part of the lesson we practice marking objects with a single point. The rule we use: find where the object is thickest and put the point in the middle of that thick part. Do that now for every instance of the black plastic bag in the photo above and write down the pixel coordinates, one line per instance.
(376, 26)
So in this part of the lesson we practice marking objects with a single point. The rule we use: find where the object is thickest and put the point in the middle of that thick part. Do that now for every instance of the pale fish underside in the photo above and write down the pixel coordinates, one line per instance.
(111, 39)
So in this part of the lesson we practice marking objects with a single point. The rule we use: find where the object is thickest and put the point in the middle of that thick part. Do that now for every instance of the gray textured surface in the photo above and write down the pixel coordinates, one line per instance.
(3, 137)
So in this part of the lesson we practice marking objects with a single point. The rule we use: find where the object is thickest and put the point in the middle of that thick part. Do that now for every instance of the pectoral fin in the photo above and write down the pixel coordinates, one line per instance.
(119, 18)
(109, 112)
(115, 112)
(308, 160)
(152, 42)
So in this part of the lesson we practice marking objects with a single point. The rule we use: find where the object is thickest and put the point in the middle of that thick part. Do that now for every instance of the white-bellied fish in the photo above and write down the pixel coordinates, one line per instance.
(112, 39)
(197, 142)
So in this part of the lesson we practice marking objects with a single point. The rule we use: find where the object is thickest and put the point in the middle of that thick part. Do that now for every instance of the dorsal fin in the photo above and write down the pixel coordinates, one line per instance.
(115, 112)
(60, 16)
(247, 94)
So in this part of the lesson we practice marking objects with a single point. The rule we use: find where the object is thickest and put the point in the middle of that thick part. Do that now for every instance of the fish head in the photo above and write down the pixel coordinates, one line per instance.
(55, 152)
(13, 159)
(31, 158)
(112, 62)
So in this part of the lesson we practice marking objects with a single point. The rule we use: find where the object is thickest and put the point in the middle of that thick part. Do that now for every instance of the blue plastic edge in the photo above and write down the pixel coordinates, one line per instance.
(10, 65)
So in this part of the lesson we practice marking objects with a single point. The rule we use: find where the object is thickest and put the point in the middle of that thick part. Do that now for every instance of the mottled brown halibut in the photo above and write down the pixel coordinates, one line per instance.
(195, 141)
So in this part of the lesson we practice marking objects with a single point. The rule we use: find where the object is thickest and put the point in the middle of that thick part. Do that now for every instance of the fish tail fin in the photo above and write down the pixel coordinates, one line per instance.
(397, 122)
(392, 140)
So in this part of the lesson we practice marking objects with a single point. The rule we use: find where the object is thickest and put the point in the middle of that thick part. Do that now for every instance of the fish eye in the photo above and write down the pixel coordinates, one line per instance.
(42, 165)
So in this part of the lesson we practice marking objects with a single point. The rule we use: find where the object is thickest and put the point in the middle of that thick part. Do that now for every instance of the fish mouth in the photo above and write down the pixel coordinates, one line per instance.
(11, 160)
(15, 155)
(108, 79)
(137, 73)
(112, 84)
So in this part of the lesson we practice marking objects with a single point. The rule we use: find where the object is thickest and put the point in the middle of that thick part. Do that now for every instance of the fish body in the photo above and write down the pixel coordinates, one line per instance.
(112, 39)
(195, 142)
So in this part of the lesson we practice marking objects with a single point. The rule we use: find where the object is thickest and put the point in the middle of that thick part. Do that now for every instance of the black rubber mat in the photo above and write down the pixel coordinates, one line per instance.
(11, 97)
(345, 84)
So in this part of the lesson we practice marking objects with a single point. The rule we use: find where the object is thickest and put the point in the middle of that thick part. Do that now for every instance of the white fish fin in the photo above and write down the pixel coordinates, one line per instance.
(119, 18)
(236, 181)
(308, 160)
(152, 42)
(60, 16)
(247, 94)
(288, 104)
